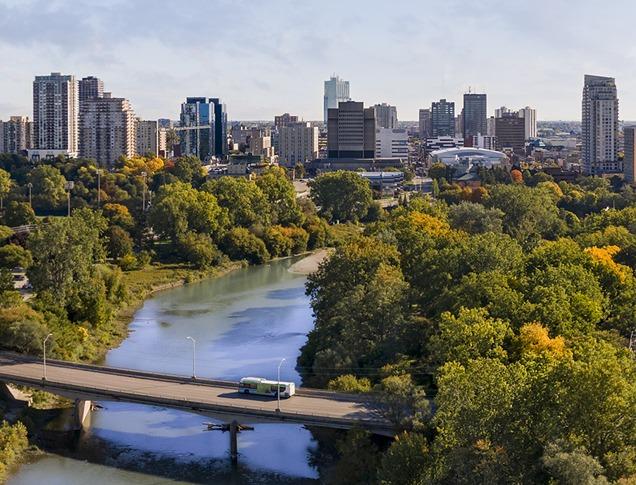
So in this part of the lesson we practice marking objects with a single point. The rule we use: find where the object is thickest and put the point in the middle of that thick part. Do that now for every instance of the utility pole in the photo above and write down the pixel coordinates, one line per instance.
(30, 186)
(631, 340)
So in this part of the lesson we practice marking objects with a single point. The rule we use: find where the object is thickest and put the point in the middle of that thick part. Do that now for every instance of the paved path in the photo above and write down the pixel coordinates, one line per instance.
(321, 408)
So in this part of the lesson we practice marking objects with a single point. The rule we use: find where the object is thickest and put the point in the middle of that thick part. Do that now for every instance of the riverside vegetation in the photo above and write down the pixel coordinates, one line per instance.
(493, 323)
(89, 270)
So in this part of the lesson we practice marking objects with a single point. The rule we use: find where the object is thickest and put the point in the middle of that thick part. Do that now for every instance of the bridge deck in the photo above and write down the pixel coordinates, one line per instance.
(102, 383)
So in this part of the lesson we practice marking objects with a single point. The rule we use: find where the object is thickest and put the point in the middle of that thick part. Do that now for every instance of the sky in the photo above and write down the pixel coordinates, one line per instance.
(267, 57)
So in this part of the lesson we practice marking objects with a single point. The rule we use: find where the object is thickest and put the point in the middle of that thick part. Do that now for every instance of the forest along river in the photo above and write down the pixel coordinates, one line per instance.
(244, 323)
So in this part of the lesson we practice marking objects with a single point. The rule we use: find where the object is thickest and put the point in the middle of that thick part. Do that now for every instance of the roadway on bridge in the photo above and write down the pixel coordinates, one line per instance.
(94, 382)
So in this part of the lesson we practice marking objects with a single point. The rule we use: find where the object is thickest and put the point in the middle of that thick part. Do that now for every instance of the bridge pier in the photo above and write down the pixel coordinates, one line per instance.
(14, 396)
(234, 443)
(81, 411)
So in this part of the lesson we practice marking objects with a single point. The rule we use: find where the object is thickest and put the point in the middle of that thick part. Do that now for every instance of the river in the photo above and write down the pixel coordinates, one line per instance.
(244, 323)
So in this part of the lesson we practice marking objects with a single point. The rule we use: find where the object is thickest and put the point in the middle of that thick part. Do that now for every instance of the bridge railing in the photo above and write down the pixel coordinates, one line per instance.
(110, 393)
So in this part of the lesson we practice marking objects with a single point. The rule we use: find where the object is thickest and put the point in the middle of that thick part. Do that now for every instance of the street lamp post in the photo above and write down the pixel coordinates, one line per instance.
(30, 186)
(278, 388)
(143, 200)
(44, 356)
(194, 357)
(69, 186)
(99, 187)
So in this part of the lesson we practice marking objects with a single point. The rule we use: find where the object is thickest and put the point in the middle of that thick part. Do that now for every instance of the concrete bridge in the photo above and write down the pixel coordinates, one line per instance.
(84, 383)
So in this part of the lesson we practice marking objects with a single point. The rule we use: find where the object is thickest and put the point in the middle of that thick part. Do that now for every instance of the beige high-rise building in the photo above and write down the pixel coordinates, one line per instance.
(629, 166)
(15, 134)
(260, 143)
(55, 114)
(107, 129)
(147, 137)
(298, 143)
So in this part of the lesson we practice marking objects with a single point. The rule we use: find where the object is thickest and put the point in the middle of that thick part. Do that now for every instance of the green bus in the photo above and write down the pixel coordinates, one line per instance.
(264, 387)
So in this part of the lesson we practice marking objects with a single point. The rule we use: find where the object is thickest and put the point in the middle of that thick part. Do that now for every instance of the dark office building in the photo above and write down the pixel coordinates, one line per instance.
(351, 131)
(220, 128)
(475, 115)
(203, 128)
(510, 132)
(442, 118)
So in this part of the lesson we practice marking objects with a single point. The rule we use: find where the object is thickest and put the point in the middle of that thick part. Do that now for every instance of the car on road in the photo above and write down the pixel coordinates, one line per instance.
(263, 387)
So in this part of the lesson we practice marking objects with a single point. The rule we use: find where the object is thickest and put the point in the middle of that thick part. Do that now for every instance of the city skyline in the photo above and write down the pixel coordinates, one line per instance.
(280, 61)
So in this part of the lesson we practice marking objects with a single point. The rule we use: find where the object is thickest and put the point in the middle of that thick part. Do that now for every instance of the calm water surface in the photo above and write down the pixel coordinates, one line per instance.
(244, 323)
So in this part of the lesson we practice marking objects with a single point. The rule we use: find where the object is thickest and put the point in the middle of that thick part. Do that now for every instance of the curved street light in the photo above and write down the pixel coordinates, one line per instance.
(44, 356)
(194, 356)
(278, 388)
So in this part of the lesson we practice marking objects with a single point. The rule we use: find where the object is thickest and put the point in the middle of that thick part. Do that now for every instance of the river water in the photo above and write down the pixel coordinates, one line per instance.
(244, 323)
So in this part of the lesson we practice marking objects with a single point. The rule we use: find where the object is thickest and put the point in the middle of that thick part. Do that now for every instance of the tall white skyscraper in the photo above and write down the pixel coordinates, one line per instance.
(530, 117)
(600, 126)
(55, 114)
(336, 90)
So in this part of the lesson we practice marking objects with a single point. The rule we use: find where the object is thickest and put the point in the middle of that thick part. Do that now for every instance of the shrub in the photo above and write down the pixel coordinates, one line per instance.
(198, 249)
(239, 244)
(349, 383)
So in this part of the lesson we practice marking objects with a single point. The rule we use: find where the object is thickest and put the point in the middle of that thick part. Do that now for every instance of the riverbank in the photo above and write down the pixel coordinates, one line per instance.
(311, 263)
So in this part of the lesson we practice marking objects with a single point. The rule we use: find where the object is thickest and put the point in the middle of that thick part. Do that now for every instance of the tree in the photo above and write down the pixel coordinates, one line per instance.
(179, 208)
(341, 195)
(470, 335)
(5, 186)
(49, 193)
(358, 460)
(529, 213)
(118, 215)
(573, 467)
(198, 249)
(19, 214)
(188, 169)
(475, 218)
(406, 462)
(244, 200)
(64, 251)
(13, 255)
(281, 196)
(118, 242)
(239, 244)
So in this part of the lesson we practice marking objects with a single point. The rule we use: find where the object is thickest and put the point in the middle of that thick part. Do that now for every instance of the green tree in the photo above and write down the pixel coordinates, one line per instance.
(470, 335)
(64, 251)
(118, 242)
(475, 218)
(5, 186)
(13, 255)
(238, 243)
(49, 193)
(529, 213)
(281, 196)
(406, 462)
(179, 208)
(198, 249)
(341, 195)
(19, 214)
(244, 200)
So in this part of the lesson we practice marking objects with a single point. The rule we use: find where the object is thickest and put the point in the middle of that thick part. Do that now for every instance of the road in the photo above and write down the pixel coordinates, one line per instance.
(321, 408)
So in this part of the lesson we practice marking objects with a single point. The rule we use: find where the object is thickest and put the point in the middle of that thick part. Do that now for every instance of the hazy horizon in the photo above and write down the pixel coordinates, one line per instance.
(272, 57)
